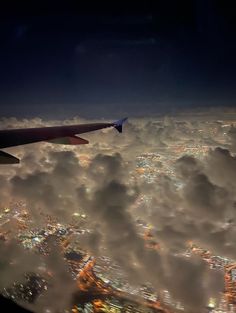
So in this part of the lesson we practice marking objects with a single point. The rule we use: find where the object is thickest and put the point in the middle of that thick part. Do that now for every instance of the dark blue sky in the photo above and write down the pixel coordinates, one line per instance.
(107, 61)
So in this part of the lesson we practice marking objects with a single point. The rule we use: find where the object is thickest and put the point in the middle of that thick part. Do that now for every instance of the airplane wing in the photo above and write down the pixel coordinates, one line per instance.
(54, 134)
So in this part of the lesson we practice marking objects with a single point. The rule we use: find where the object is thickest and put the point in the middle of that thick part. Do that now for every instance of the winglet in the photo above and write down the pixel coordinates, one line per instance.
(119, 124)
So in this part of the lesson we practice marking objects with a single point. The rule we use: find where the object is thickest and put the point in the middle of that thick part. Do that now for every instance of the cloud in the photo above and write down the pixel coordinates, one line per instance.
(197, 209)
(194, 201)
(15, 262)
(109, 206)
(232, 135)
(185, 282)
(221, 166)
(59, 295)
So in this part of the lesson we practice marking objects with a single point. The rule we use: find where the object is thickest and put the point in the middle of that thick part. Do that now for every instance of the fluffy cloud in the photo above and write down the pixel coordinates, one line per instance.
(15, 262)
(197, 203)
(59, 295)
(109, 206)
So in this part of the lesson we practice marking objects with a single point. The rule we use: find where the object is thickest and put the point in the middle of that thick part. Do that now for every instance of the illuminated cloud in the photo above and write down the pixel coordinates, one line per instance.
(197, 204)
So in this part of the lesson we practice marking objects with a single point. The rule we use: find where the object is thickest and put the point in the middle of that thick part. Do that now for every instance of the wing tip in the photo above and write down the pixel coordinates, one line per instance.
(119, 124)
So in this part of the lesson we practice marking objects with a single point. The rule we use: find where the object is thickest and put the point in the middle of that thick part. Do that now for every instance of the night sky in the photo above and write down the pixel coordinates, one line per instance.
(107, 61)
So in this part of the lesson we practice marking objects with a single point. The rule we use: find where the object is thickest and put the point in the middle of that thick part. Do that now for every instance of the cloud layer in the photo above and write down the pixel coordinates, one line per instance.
(193, 200)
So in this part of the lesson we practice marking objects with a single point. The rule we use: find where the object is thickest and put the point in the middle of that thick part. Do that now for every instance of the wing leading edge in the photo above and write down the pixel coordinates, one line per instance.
(54, 134)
